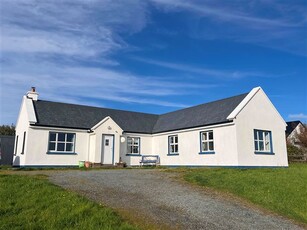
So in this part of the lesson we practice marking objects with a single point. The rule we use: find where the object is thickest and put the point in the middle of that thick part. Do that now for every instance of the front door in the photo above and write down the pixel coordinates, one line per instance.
(107, 149)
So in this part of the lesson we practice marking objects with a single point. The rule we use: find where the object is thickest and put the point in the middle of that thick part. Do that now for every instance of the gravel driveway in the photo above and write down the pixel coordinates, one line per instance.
(161, 199)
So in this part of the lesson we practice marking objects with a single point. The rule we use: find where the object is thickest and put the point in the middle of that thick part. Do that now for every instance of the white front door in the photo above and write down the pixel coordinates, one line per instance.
(107, 149)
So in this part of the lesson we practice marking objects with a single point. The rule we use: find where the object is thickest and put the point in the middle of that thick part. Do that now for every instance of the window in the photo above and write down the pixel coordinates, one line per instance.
(207, 143)
(16, 145)
(133, 144)
(263, 141)
(61, 142)
(23, 143)
(173, 145)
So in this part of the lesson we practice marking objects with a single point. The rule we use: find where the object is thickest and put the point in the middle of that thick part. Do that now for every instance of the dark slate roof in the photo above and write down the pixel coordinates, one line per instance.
(205, 114)
(291, 125)
(55, 114)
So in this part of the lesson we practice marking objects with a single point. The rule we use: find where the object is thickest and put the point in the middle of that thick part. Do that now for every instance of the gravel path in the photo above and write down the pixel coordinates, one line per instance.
(159, 198)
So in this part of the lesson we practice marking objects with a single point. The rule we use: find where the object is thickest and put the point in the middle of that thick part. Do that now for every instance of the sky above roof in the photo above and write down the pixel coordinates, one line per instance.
(153, 56)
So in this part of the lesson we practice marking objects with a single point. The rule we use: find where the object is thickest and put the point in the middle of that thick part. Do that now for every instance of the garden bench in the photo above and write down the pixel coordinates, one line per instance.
(150, 160)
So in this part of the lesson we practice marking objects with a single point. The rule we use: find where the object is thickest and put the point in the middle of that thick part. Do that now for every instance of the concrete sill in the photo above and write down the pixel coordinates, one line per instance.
(134, 155)
(209, 152)
(173, 154)
(62, 153)
(264, 153)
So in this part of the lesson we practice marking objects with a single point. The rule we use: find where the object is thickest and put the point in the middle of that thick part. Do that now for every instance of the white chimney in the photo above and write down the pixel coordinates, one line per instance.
(32, 94)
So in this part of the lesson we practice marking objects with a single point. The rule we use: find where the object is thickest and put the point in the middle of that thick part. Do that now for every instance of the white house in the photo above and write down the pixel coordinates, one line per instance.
(244, 130)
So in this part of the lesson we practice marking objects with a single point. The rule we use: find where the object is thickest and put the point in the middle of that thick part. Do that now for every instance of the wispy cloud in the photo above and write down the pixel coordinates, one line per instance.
(224, 74)
(246, 21)
(76, 28)
(88, 85)
(222, 13)
(299, 116)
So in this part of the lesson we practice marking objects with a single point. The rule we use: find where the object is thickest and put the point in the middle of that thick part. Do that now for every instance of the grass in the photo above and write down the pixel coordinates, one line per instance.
(281, 190)
(34, 203)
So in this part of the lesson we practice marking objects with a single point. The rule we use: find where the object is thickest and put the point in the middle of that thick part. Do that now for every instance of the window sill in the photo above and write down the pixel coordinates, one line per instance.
(62, 153)
(264, 153)
(209, 152)
(173, 154)
(133, 155)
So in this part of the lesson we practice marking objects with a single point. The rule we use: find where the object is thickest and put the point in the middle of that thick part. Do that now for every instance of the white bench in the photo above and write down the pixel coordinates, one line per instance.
(150, 160)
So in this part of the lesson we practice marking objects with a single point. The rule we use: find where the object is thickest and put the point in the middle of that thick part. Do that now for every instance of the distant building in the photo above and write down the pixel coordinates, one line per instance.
(293, 129)
(6, 149)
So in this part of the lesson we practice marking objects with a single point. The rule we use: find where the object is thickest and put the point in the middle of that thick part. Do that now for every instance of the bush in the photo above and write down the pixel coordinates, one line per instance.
(293, 150)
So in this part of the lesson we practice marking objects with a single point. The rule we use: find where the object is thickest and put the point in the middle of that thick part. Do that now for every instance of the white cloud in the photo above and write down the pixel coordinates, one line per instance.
(76, 28)
(283, 28)
(217, 73)
(299, 116)
(86, 85)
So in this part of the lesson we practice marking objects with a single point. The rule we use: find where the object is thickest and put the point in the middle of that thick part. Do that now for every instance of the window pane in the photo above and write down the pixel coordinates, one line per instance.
(135, 149)
(136, 141)
(61, 147)
(205, 146)
(70, 137)
(176, 148)
(107, 142)
(69, 147)
(176, 139)
(61, 136)
(171, 139)
(256, 145)
(172, 148)
(267, 146)
(255, 135)
(261, 146)
(51, 146)
(204, 136)
(210, 135)
(52, 136)
(260, 133)
(211, 145)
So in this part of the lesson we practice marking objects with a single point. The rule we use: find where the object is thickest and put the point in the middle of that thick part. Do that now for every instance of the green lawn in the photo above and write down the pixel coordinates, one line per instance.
(34, 203)
(282, 190)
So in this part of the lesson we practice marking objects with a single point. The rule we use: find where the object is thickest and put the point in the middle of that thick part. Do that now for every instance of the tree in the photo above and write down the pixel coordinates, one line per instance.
(8, 130)
(302, 136)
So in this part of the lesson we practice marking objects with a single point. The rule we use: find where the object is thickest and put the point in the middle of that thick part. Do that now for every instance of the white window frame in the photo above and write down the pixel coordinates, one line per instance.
(173, 143)
(263, 141)
(131, 144)
(65, 142)
(206, 141)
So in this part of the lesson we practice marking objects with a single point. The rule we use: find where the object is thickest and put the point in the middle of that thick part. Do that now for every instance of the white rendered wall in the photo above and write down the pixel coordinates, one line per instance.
(22, 126)
(37, 150)
(189, 148)
(260, 114)
(145, 148)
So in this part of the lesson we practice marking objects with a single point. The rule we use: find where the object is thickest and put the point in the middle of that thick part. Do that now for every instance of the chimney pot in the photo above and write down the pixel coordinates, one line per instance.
(32, 94)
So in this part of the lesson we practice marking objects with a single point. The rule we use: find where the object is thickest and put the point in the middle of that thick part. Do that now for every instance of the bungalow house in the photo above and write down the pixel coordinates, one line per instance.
(243, 130)
(293, 129)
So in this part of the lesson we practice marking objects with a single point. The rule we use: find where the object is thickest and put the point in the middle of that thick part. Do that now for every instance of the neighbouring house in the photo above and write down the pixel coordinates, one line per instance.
(243, 130)
(293, 129)
(6, 149)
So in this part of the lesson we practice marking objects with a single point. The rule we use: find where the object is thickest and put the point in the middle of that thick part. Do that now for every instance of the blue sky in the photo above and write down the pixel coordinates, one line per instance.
(153, 56)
